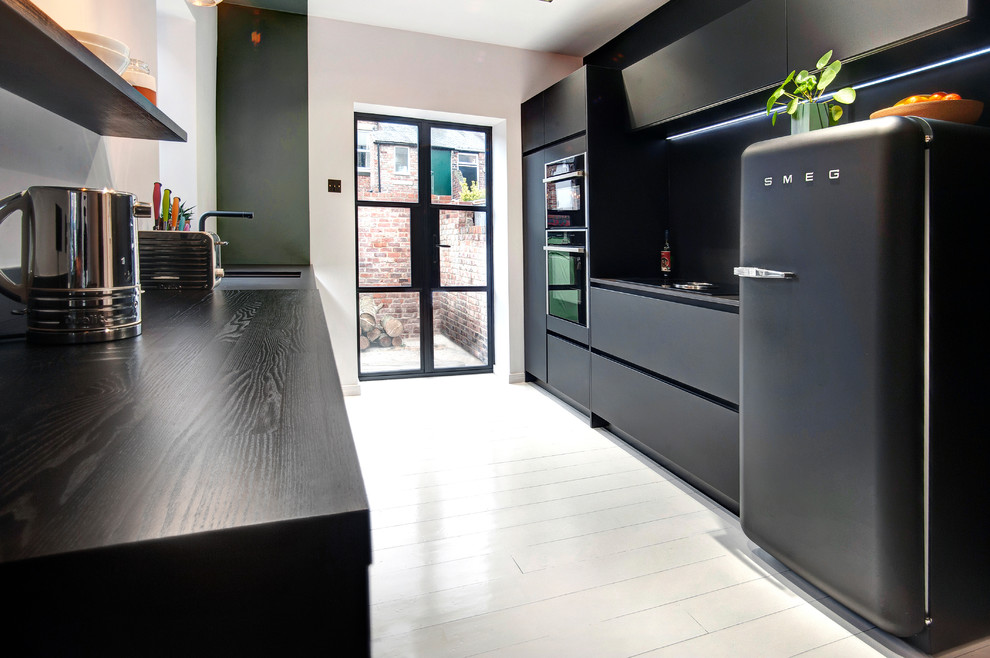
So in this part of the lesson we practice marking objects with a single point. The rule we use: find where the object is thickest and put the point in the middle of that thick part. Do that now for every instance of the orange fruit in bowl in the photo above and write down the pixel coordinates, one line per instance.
(922, 98)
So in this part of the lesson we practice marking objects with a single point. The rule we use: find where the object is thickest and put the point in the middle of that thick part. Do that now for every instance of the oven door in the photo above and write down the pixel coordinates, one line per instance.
(565, 197)
(567, 276)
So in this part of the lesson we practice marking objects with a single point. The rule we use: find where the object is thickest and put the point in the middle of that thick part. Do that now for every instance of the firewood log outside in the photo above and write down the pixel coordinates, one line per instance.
(392, 326)
(376, 330)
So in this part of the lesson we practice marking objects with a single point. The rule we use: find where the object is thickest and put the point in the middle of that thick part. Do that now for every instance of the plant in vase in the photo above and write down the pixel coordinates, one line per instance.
(803, 101)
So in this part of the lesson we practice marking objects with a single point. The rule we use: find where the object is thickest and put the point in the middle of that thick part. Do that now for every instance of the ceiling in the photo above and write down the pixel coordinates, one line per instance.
(567, 27)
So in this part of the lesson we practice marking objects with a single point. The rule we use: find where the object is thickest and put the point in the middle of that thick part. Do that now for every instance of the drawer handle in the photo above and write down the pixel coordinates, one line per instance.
(569, 250)
(760, 273)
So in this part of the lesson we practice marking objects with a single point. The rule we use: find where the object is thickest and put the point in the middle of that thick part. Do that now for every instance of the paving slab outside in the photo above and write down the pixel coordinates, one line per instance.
(446, 354)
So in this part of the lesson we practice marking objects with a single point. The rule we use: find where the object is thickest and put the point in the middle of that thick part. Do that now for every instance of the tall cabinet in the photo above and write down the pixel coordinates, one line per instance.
(584, 113)
(555, 123)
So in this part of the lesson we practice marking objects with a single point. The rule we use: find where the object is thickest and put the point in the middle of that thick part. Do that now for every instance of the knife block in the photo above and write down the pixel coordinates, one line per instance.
(179, 260)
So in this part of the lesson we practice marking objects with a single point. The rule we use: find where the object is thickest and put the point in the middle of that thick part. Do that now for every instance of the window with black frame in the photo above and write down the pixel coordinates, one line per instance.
(424, 252)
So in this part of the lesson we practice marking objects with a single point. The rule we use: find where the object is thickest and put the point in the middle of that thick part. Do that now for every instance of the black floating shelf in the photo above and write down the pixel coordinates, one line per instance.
(41, 62)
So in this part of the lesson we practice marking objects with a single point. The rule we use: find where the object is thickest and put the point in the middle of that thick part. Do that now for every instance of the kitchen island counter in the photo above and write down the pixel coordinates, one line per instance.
(193, 489)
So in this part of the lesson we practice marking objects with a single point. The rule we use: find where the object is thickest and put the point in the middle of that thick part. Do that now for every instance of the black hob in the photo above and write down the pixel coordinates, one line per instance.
(697, 287)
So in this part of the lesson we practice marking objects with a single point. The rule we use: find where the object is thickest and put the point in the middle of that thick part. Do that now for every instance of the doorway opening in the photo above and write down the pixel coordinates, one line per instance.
(424, 247)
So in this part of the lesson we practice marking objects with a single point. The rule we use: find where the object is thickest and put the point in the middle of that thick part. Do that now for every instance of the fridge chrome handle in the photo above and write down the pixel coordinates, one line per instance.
(760, 273)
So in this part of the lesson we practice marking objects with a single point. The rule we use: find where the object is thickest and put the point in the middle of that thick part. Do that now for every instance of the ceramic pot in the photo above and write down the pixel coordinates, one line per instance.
(808, 117)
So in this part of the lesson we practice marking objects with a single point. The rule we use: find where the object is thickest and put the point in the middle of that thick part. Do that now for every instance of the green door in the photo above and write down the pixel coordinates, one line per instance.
(440, 170)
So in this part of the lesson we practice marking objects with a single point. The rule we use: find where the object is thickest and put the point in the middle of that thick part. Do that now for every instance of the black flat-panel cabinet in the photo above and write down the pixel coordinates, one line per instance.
(560, 150)
(565, 110)
(741, 52)
(534, 267)
(531, 115)
(855, 27)
(585, 113)
(569, 369)
(695, 346)
(693, 434)
(558, 112)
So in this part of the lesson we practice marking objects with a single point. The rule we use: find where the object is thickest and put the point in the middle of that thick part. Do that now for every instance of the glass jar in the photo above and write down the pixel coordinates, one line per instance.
(138, 75)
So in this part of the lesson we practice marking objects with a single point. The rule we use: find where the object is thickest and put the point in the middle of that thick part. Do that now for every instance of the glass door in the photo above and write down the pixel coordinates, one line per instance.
(423, 247)
(567, 293)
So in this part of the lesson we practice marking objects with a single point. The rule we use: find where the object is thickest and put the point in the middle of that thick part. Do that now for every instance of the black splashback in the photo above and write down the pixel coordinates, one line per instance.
(704, 199)
(704, 169)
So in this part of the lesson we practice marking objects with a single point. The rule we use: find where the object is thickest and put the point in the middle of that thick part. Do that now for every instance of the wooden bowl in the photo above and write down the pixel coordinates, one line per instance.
(960, 111)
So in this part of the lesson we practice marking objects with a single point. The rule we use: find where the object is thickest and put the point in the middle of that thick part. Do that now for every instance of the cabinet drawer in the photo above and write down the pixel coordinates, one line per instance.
(697, 435)
(569, 370)
(696, 346)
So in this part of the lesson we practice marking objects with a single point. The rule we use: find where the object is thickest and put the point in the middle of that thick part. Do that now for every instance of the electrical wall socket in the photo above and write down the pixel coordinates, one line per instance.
(333, 185)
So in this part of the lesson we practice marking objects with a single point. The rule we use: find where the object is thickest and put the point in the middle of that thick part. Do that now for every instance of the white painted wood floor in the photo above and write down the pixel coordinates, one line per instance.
(504, 526)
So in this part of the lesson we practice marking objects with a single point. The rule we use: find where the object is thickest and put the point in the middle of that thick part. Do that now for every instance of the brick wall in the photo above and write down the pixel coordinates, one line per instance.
(384, 257)
(404, 306)
(384, 260)
(465, 262)
(463, 318)
(382, 182)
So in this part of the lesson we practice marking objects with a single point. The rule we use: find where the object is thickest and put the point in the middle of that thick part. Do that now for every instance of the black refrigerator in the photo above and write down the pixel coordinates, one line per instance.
(865, 464)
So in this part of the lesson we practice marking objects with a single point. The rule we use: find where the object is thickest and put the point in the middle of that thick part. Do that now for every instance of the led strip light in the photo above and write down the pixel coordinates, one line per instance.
(871, 83)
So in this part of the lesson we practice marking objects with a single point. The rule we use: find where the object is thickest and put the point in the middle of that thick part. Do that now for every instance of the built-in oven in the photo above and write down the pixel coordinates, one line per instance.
(566, 193)
(567, 274)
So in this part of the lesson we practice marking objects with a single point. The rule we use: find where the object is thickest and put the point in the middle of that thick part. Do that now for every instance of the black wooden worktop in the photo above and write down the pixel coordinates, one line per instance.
(193, 489)
(720, 301)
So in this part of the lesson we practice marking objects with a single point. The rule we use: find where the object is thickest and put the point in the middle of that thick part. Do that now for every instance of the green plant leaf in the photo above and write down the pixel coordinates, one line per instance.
(808, 87)
(773, 119)
(829, 74)
(773, 98)
(836, 113)
(805, 88)
(845, 95)
(777, 94)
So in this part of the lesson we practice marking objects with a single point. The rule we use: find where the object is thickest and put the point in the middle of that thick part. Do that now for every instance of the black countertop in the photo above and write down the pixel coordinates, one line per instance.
(725, 298)
(202, 470)
(272, 277)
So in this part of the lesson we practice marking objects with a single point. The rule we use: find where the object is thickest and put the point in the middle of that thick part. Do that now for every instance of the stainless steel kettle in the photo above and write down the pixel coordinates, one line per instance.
(79, 267)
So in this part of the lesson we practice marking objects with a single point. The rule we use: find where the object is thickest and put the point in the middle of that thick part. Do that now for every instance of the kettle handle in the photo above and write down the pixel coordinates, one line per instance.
(19, 201)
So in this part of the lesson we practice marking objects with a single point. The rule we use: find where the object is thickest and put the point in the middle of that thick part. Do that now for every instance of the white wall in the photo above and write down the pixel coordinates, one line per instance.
(176, 75)
(38, 147)
(206, 112)
(355, 66)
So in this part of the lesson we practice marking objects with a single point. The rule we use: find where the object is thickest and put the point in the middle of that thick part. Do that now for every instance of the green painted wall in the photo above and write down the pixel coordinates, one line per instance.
(263, 135)
(295, 6)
